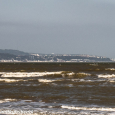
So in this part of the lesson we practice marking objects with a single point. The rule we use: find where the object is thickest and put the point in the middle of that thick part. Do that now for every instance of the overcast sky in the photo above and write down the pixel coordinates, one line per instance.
(58, 26)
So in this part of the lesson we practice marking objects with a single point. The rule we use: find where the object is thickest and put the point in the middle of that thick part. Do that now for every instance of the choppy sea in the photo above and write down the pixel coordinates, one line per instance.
(57, 89)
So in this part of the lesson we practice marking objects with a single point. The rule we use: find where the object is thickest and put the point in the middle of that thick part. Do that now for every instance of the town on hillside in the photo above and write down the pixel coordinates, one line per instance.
(19, 56)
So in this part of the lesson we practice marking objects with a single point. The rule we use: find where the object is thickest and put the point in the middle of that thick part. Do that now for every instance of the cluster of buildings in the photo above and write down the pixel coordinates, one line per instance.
(53, 58)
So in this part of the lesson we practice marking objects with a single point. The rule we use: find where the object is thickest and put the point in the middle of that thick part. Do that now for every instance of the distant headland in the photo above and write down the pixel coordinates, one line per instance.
(9, 55)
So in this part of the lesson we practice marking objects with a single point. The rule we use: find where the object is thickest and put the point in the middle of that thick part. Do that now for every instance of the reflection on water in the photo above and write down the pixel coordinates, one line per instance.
(89, 90)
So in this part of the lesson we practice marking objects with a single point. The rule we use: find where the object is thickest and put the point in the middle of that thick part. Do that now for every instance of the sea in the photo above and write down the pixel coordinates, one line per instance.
(57, 88)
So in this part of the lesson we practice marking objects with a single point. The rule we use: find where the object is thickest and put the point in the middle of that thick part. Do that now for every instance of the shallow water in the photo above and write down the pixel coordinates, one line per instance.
(89, 90)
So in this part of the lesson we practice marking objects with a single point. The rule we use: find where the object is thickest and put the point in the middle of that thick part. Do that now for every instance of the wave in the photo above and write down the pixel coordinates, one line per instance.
(26, 74)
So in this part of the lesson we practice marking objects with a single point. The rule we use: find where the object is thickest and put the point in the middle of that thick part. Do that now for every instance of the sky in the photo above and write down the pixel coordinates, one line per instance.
(58, 26)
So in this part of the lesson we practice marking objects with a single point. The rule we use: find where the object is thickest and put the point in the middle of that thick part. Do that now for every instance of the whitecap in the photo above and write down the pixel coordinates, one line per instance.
(109, 68)
(11, 80)
(7, 100)
(26, 74)
(106, 75)
(88, 108)
(45, 80)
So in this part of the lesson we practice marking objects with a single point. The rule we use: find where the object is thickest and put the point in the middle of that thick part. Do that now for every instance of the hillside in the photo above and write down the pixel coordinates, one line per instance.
(14, 52)
(15, 55)
(6, 56)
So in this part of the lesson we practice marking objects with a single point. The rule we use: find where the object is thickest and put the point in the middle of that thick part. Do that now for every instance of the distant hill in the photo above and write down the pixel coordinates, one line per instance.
(9, 54)
(6, 56)
(14, 52)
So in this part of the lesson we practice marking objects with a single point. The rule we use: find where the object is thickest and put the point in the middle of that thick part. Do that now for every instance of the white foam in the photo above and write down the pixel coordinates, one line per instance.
(45, 80)
(38, 108)
(89, 108)
(106, 75)
(82, 73)
(2, 72)
(49, 80)
(110, 69)
(26, 74)
(12, 80)
(84, 80)
(7, 100)
(72, 73)
(112, 81)
(36, 74)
